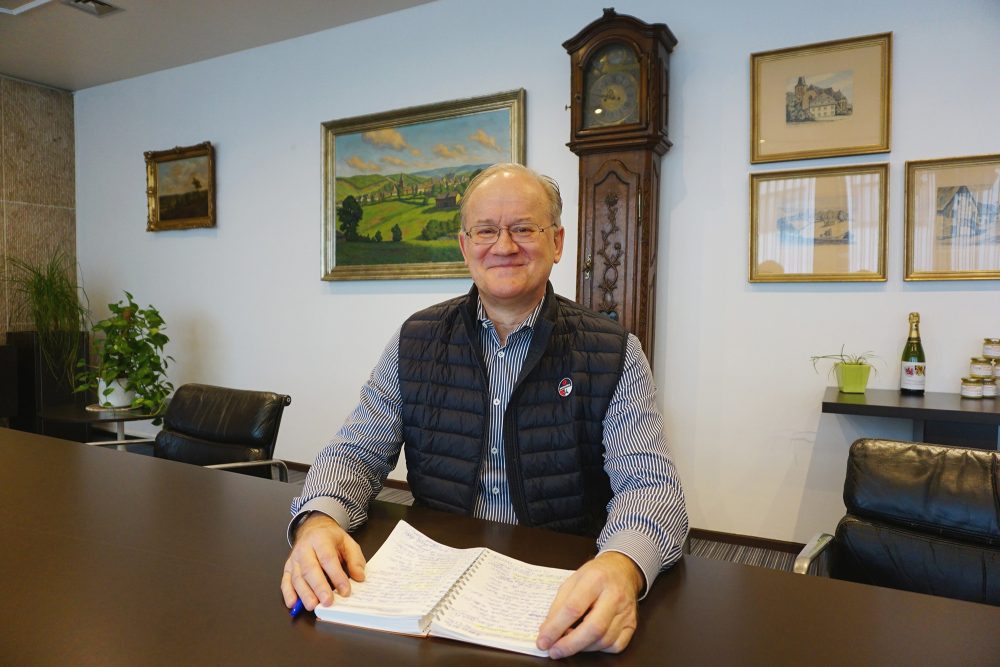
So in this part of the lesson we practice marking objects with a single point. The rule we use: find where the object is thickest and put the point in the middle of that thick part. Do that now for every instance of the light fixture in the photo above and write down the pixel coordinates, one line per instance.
(93, 7)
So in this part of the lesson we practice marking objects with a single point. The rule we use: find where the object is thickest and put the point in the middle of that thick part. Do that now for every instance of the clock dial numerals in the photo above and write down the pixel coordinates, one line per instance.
(611, 87)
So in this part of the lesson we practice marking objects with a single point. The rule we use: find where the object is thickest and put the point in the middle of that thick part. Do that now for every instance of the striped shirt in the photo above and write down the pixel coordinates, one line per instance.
(647, 520)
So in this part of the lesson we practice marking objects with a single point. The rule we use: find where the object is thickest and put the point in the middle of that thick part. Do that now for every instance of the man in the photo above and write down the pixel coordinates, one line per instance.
(575, 443)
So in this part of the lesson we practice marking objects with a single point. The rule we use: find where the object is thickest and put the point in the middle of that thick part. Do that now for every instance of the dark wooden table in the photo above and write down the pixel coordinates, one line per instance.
(938, 417)
(113, 558)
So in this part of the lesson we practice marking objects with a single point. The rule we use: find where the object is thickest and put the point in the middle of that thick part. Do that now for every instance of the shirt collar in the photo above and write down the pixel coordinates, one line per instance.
(529, 321)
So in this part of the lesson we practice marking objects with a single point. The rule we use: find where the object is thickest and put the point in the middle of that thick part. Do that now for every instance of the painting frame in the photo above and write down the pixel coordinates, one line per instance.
(168, 170)
(788, 238)
(824, 93)
(409, 122)
(941, 184)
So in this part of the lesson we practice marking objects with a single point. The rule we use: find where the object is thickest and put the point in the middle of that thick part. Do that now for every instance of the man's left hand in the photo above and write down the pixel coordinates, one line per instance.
(603, 594)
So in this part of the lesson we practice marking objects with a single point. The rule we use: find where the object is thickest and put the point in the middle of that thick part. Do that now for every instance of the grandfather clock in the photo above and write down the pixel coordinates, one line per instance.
(619, 131)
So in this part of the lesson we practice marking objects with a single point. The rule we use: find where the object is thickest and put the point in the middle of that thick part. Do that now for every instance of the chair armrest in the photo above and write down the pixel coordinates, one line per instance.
(277, 463)
(810, 552)
(113, 443)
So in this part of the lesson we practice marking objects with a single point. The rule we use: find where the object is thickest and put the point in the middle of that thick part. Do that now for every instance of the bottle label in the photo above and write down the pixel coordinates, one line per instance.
(911, 375)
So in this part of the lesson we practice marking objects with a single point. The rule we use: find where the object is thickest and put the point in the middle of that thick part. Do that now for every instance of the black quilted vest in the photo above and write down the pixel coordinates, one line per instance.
(553, 444)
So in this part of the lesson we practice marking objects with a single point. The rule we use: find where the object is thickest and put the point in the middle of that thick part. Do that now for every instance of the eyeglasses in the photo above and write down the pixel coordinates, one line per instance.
(522, 232)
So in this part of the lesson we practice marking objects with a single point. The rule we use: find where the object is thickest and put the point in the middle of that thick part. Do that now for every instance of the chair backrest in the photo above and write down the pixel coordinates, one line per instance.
(206, 425)
(922, 518)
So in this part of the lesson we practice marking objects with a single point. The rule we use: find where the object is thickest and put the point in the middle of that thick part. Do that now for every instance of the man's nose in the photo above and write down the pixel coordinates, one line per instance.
(505, 243)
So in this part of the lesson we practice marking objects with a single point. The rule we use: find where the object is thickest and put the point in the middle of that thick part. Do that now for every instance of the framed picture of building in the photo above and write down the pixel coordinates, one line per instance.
(180, 187)
(819, 225)
(393, 184)
(953, 219)
(821, 100)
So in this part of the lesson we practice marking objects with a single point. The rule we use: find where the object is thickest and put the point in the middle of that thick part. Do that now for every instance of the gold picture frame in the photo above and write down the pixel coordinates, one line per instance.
(393, 182)
(180, 187)
(952, 223)
(821, 100)
(819, 225)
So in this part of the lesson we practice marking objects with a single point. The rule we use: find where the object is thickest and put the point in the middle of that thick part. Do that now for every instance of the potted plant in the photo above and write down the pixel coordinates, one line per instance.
(852, 370)
(50, 297)
(128, 349)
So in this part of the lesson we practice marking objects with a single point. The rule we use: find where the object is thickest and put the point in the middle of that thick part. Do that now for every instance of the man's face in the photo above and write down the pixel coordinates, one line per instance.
(508, 273)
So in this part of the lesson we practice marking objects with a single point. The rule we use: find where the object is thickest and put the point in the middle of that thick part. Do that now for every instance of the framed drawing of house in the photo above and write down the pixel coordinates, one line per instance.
(953, 219)
(180, 187)
(819, 225)
(821, 100)
(393, 184)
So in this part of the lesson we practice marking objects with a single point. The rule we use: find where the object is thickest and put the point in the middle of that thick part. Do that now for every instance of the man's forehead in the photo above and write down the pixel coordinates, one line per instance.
(509, 188)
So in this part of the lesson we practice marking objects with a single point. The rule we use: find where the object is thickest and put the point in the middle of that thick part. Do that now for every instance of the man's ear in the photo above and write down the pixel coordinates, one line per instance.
(462, 238)
(558, 238)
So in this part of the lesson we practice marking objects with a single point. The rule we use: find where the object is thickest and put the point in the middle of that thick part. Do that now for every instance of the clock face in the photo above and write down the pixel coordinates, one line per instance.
(611, 87)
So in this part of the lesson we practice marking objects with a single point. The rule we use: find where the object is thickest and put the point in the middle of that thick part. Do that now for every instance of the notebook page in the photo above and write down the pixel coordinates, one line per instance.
(408, 575)
(502, 604)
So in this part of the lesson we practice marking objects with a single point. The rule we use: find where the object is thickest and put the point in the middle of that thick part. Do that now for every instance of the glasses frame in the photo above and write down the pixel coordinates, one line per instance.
(501, 230)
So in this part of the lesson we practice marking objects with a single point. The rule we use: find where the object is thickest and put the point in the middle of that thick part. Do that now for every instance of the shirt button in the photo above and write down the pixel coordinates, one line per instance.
(494, 450)
(496, 490)
(500, 354)
(485, 325)
(496, 401)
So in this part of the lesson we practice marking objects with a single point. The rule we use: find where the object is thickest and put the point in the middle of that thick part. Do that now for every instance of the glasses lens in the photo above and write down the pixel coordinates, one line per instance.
(483, 234)
(524, 231)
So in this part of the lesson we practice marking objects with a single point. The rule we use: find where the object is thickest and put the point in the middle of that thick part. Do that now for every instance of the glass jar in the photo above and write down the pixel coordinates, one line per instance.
(972, 388)
(991, 348)
(989, 388)
(980, 367)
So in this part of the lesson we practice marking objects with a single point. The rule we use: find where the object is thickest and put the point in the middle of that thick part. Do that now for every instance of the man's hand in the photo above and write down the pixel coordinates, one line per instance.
(321, 551)
(603, 593)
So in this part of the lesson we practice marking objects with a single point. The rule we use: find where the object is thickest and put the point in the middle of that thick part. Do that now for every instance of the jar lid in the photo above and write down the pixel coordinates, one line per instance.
(988, 380)
(980, 360)
(972, 380)
(992, 341)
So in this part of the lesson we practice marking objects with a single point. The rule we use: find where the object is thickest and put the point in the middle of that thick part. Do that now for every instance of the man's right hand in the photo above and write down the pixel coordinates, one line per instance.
(323, 554)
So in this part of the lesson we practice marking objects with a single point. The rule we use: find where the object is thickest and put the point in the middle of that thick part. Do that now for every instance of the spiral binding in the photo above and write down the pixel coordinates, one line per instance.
(444, 604)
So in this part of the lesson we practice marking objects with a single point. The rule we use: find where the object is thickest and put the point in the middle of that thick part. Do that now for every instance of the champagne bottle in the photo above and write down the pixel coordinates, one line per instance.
(912, 370)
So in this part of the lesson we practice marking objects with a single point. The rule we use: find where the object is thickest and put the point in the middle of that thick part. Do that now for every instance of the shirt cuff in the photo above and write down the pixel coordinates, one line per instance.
(326, 505)
(641, 550)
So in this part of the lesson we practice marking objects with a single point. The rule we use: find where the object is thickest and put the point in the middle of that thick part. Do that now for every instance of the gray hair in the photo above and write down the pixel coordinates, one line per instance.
(548, 184)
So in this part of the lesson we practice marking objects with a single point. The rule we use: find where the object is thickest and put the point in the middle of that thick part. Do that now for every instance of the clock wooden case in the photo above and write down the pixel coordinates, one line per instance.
(619, 88)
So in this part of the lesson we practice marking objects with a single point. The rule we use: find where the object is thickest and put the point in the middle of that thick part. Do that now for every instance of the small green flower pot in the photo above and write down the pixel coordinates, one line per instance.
(852, 378)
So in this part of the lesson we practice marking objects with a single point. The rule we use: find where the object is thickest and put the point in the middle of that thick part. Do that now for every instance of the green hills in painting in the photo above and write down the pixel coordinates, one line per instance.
(402, 217)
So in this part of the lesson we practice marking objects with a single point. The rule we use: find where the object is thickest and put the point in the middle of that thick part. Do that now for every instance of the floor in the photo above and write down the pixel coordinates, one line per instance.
(735, 553)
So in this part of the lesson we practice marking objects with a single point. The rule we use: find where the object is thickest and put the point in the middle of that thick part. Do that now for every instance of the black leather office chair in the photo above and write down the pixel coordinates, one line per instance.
(223, 428)
(920, 517)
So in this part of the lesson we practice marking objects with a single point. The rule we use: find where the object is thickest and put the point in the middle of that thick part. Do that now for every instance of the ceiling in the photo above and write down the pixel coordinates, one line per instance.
(53, 43)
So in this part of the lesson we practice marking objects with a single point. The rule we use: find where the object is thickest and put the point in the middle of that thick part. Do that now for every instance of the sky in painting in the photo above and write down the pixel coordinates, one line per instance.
(177, 176)
(472, 139)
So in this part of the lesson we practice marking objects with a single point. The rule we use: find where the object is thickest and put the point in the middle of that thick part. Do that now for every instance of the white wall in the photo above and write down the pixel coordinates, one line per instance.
(245, 306)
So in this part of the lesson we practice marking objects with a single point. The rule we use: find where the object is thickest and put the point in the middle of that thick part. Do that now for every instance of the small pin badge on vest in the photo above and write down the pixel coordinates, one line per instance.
(565, 387)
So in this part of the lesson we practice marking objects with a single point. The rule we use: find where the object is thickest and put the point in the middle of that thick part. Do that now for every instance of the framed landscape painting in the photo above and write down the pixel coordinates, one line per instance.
(953, 219)
(821, 100)
(393, 183)
(180, 187)
(819, 225)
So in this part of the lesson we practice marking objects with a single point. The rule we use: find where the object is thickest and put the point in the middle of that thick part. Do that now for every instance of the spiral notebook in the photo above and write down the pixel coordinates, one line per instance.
(414, 585)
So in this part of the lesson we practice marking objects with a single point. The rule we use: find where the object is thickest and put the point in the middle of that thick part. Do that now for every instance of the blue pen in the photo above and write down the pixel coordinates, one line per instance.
(296, 608)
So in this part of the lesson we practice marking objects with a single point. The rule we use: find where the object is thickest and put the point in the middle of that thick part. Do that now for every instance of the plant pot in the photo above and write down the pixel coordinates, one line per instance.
(118, 398)
(852, 378)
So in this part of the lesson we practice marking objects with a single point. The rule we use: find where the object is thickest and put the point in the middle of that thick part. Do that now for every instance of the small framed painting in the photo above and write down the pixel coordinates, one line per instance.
(953, 219)
(821, 100)
(819, 225)
(393, 184)
(180, 187)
